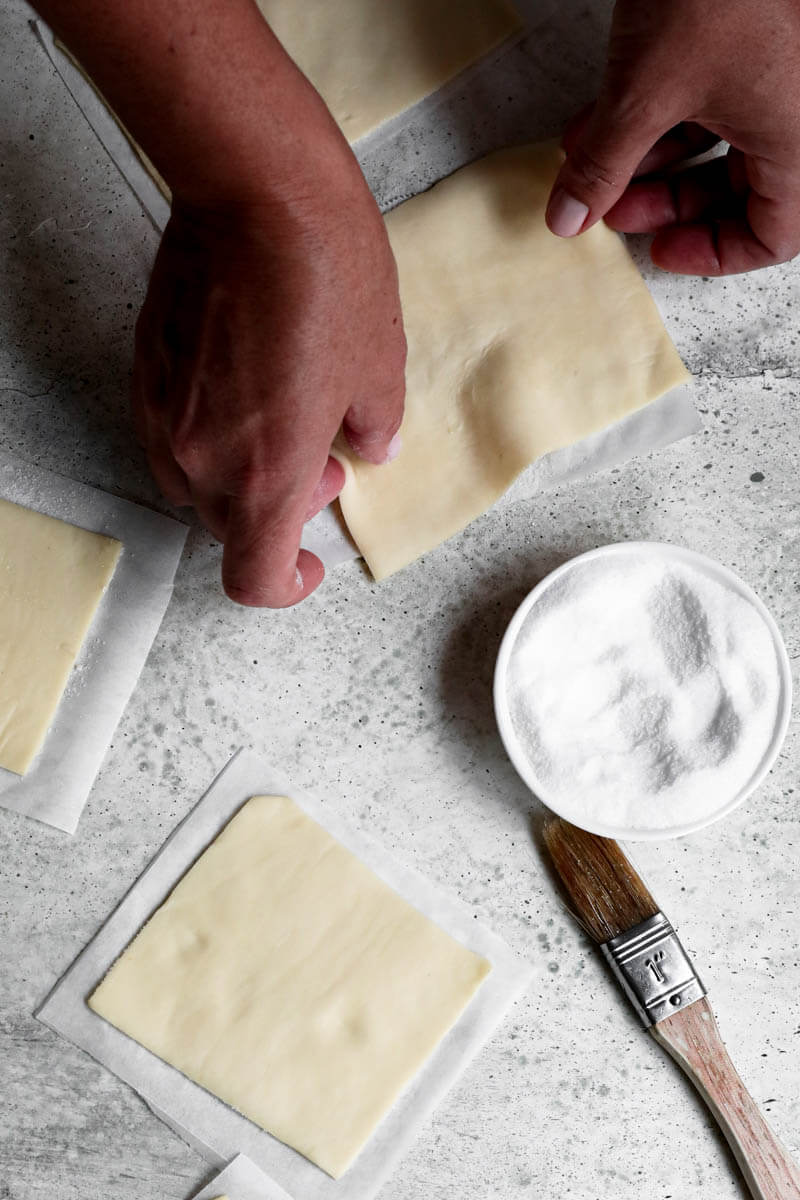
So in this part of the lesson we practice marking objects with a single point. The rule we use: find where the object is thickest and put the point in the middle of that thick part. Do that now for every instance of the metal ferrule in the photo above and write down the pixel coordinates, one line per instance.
(654, 969)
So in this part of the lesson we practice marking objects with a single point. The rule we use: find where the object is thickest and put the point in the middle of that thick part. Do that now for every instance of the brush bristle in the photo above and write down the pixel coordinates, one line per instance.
(608, 896)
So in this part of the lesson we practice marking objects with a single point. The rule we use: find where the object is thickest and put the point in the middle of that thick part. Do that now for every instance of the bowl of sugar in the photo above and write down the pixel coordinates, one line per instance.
(642, 691)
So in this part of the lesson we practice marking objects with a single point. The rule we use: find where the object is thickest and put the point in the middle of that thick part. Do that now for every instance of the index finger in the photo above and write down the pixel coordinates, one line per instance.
(262, 563)
(767, 232)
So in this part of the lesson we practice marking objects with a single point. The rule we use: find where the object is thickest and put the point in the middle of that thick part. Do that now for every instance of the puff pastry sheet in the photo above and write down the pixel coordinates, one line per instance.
(371, 59)
(285, 977)
(518, 343)
(52, 576)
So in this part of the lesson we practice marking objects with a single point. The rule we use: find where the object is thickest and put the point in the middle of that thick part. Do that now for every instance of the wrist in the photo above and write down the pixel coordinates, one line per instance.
(211, 96)
(320, 174)
(303, 187)
(267, 140)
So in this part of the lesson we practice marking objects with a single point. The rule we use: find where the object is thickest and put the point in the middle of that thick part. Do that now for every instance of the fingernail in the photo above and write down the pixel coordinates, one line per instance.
(565, 214)
(298, 578)
(394, 448)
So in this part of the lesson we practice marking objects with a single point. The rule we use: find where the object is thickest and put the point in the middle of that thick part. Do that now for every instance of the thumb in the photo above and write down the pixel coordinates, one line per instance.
(603, 158)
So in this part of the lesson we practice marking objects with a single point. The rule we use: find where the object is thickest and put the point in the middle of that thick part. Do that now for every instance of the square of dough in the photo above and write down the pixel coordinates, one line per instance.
(286, 978)
(519, 343)
(52, 576)
(370, 59)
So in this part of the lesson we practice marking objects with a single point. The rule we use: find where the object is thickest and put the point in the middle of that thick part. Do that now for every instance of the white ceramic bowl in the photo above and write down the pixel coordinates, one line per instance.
(667, 553)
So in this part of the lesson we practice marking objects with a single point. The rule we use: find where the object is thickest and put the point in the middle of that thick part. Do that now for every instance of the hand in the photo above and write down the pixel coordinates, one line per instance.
(273, 314)
(262, 332)
(680, 77)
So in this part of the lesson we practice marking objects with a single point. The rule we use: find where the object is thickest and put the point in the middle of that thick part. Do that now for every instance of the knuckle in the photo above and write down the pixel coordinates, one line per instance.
(261, 484)
(189, 449)
(786, 249)
(637, 107)
(764, 177)
(622, 129)
(247, 596)
(590, 173)
(274, 492)
(193, 438)
(269, 591)
(369, 428)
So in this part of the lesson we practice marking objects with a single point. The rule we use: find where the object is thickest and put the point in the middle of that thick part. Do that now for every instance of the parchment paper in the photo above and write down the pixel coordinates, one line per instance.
(242, 1180)
(111, 659)
(209, 1125)
(665, 420)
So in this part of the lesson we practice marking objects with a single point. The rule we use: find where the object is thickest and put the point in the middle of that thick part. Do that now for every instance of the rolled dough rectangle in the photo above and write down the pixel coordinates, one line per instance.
(371, 60)
(519, 343)
(52, 576)
(286, 978)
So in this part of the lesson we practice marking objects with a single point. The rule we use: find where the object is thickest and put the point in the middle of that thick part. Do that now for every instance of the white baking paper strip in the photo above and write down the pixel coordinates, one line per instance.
(665, 420)
(668, 419)
(326, 536)
(115, 649)
(215, 1130)
(106, 129)
(242, 1180)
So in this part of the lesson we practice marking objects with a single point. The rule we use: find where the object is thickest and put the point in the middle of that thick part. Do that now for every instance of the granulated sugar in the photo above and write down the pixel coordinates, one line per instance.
(644, 692)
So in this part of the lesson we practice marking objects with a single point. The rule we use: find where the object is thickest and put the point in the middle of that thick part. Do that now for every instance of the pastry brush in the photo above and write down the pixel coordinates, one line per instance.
(642, 949)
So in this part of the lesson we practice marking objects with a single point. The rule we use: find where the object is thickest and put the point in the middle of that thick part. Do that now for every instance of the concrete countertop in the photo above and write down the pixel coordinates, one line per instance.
(378, 699)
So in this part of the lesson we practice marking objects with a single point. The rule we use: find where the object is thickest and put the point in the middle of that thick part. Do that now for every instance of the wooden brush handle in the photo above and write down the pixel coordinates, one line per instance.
(693, 1040)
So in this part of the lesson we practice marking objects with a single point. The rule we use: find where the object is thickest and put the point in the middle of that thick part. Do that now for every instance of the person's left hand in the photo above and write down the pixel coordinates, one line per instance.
(681, 77)
(264, 332)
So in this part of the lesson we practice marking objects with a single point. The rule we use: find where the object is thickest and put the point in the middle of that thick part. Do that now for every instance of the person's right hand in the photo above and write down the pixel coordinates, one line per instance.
(264, 330)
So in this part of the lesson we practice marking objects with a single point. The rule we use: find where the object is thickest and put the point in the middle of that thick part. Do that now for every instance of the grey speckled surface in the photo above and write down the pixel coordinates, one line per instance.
(379, 700)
